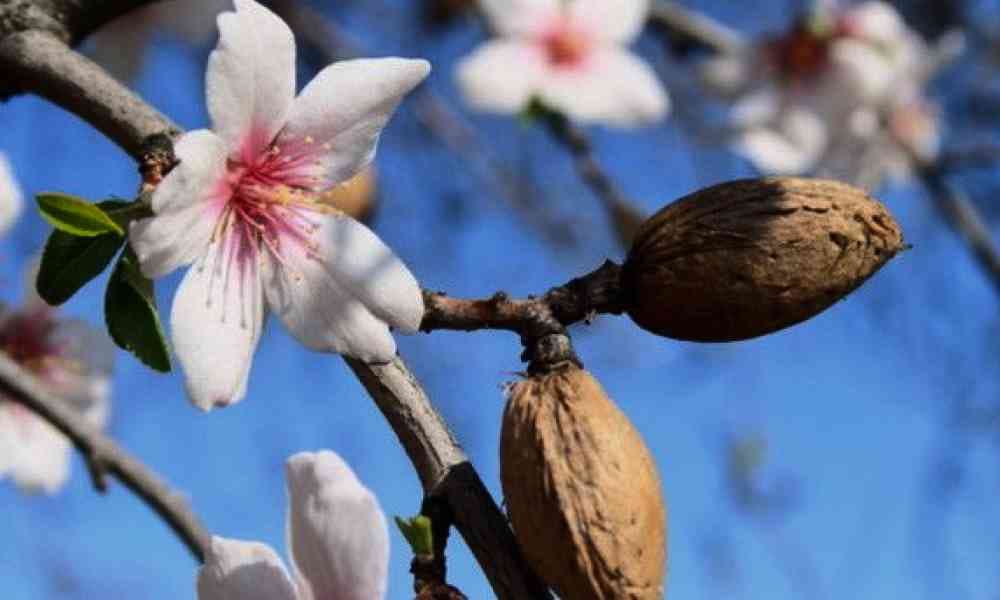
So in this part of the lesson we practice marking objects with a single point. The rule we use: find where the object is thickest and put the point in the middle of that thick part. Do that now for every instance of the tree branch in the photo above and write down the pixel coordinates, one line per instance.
(40, 63)
(965, 220)
(446, 473)
(105, 457)
(686, 26)
(441, 464)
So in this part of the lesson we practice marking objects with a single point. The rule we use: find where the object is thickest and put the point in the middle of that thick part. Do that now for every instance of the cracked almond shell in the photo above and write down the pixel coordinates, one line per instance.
(746, 258)
(582, 490)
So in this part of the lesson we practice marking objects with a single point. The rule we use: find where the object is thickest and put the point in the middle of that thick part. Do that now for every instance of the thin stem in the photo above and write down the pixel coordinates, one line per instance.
(624, 215)
(963, 216)
(688, 26)
(104, 457)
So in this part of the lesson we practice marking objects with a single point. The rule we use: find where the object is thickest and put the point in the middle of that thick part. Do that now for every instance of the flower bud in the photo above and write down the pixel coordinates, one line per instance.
(356, 197)
(582, 490)
(746, 258)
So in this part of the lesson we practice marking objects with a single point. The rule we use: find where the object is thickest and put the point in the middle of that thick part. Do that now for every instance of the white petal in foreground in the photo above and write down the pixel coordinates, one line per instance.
(321, 311)
(250, 82)
(238, 570)
(613, 21)
(337, 533)
(615, 87)
(360, 261)
(337, 119)
(502, 75)
(186, 204)
(216, 321)
(11, 200)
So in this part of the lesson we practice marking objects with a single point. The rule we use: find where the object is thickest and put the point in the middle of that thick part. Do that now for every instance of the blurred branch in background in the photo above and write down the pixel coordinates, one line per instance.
(104, 457)
(963, 216)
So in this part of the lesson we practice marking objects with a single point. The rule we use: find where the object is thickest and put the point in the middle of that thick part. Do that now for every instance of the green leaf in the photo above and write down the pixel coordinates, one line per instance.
(75, 215)
(131, 316)
(70, 261)
(417, 531)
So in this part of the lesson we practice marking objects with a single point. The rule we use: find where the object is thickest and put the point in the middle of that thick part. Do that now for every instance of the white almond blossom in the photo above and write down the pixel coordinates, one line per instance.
(798, 95)
(571, 56)
(120, 46)
(11, 197)
(337, 535)
(247, 205)
(75, 362)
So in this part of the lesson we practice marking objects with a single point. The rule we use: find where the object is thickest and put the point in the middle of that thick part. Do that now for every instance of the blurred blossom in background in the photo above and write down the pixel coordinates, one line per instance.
(856, 455)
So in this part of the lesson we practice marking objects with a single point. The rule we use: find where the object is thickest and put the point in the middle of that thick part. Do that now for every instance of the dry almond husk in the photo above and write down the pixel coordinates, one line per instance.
(582, 490)
(746, 258)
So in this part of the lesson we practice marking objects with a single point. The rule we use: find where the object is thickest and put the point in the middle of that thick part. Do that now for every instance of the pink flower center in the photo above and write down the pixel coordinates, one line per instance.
(268, 205)
(566, 45)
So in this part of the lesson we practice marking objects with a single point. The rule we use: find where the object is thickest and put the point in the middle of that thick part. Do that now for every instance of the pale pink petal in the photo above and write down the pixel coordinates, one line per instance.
(334, 124)
(728, 74)
(615, 88)
(502, 75)
(791, 149)
(756, 108)
(862, 71)
(520, 17)
(336, 531)
(11, 198)
(876, 21)
(32, 453)
(321, 311)
(611, 20)
(186, 203)
(239, 570)
(216, 322)
(250, 82)
(363, 264)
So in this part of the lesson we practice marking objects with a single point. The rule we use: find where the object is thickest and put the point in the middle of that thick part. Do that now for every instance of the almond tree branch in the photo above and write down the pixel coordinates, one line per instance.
(687, 26)
(104, 457)
(440, 462)
(41, 63)
(963, 216)
(624, 215)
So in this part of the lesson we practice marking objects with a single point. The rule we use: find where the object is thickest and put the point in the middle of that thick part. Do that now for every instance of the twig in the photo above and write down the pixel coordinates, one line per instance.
(104, 457)
(965, 219)
(624, 215)
(442, 465)
(688, 26)
(446, 473)
(42, 64)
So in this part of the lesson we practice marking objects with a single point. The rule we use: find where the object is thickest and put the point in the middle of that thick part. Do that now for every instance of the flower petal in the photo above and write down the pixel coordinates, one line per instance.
(11, 199)
(320, 311)
(501, 75)
(792, 149)
(216, 322)
(862, 71)
(520, 17)
(615, 21)
(334, 124)
(250, 82)
(615, 88)
(186, 206)
(32, 452)
(337, 533)
(238, 570)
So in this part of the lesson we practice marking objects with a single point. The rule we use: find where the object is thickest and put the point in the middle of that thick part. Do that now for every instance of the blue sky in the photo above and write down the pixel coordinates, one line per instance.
(855, 404)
